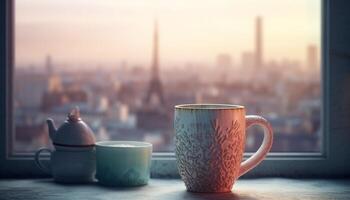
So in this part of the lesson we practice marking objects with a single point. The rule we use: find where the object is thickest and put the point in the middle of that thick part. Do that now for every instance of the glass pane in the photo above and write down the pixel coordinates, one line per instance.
(127, 63)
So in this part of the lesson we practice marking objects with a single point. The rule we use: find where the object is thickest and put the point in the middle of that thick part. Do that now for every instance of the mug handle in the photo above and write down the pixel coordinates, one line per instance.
(265, 147)
(38, 162)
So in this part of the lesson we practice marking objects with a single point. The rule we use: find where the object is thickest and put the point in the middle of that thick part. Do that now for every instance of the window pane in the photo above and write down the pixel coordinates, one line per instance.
(127, 63)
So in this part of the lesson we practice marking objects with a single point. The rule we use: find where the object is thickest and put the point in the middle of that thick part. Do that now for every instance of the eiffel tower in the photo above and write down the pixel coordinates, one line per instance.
(155, 89)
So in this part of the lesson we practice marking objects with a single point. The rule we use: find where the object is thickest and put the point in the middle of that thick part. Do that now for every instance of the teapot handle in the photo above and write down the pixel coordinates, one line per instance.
(39, 163)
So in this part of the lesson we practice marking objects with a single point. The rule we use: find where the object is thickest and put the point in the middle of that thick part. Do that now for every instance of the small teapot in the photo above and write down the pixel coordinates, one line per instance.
(73, 159)
(72, 133)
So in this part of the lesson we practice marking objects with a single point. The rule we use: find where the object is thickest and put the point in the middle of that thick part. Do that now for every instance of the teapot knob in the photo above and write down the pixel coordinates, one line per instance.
(74, 115)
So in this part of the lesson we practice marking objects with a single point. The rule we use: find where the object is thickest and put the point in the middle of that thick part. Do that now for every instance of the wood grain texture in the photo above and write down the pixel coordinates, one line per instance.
(253, 189)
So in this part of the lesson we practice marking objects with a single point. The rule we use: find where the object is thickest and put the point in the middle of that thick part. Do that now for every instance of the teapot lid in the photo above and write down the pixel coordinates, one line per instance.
(74, 132)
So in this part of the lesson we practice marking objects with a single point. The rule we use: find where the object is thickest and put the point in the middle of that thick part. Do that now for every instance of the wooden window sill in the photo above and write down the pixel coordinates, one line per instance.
(174, 189)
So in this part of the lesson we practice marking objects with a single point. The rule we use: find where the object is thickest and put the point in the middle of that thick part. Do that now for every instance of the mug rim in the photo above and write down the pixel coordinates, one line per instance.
(110, 144)
(209, 106)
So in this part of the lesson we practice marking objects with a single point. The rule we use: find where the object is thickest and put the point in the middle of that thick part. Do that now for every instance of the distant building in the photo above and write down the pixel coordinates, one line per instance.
(29, 88)
(255, 59)
(154, 96)
(119, 112)
(48, 65)
(152, 114)
(223, 64)
(102, 103)
(224, 61)
(54, 99)
(247, 60)
(31, 137)
(312, 57)
(259, 60)
(54, 80)
(55, 95)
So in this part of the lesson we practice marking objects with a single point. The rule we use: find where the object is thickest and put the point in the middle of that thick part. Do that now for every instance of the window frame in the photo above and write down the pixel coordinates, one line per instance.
(332, 161)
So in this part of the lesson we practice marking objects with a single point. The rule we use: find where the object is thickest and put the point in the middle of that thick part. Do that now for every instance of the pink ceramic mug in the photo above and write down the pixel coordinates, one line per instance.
(210, 141)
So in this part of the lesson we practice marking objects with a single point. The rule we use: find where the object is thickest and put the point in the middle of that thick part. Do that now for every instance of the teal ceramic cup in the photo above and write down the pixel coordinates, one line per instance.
(123, 163)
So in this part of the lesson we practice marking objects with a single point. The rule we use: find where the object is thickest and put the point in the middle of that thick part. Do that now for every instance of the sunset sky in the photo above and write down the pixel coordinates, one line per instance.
(109, 31)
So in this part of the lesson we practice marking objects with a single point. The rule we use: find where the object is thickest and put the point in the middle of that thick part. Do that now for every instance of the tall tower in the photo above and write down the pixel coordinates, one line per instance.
(258, 43)
(155, 90)
(54, 83)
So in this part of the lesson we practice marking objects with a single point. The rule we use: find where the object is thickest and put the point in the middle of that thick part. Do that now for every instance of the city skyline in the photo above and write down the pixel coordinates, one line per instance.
(84, 36)
(122, 101)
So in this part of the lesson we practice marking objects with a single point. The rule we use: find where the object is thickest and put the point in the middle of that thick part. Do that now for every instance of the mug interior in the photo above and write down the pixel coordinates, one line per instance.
(123, 144)
(209, 106)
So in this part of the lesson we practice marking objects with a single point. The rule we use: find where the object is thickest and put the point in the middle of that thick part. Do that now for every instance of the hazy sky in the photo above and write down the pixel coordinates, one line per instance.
(93, 31)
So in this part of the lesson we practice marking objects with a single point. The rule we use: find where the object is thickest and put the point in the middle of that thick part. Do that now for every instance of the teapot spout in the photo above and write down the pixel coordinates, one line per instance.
(52, 128)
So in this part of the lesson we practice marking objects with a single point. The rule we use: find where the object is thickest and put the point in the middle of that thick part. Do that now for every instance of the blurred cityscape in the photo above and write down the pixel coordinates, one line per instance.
(128, 102)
